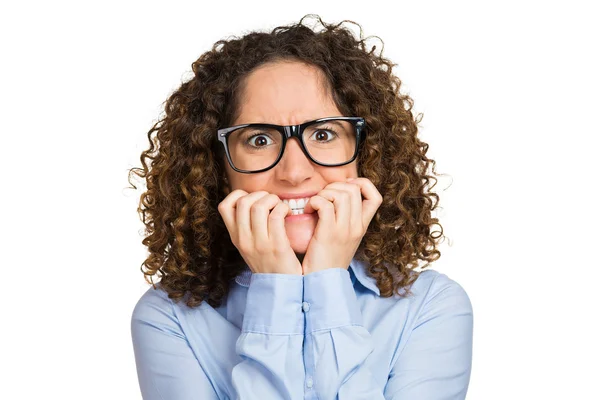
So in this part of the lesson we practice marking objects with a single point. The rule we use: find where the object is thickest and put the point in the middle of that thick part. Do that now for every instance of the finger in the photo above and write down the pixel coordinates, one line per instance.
(356, 207)
(341, 201)
(325, 210)
(372, 199)
(308, 208)
(259, 215)
(227, 209)
(242, 213)
(355, 203)
(276, 224)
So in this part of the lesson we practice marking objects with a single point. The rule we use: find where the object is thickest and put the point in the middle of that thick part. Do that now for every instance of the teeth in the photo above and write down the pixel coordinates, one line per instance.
(297, 204)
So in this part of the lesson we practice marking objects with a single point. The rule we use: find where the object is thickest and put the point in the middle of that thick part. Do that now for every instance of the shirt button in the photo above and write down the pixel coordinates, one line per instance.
(309, 382)
(305, 306)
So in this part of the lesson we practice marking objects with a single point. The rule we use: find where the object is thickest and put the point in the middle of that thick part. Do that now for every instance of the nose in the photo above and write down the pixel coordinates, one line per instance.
(294, 166)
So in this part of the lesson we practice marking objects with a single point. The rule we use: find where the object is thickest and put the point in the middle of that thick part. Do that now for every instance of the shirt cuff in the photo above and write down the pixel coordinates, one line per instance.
(274, 304)
(331, 300)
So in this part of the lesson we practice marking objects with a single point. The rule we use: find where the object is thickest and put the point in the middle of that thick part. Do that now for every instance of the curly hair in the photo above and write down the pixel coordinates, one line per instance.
(190, 249)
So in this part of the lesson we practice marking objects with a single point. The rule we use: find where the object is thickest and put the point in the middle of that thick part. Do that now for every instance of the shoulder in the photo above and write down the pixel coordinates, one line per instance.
(436, 293)
(154, 309)
(153, 301)
(432, 283)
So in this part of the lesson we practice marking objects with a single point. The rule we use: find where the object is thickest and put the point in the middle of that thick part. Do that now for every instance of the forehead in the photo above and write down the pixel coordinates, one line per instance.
(285, 93)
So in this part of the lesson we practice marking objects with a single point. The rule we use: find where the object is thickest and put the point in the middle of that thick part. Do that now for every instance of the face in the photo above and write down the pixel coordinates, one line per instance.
(289, 93)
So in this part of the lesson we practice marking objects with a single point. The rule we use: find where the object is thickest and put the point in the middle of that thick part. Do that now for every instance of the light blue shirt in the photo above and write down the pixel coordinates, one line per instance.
(326, 335)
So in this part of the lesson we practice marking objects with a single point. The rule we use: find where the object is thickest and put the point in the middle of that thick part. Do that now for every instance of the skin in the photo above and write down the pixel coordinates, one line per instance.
(289, 93)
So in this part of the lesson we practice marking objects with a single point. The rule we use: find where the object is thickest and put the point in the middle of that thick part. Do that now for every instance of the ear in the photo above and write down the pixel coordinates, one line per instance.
(226, 187)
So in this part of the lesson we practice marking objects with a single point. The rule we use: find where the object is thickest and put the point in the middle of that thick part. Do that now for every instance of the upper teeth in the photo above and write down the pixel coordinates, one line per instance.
(296, 203)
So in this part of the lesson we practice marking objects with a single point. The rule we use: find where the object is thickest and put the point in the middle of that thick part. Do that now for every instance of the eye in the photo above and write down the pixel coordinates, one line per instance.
(321, 135)
(259, 140)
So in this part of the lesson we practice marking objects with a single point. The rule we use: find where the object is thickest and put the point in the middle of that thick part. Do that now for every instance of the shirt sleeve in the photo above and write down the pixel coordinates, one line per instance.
(336, 342)
(270, 347)
(166, 365)
(272, 339)
(435, 364)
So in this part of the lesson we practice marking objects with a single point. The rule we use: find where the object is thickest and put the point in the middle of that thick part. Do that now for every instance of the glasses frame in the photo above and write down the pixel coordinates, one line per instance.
(291, 131)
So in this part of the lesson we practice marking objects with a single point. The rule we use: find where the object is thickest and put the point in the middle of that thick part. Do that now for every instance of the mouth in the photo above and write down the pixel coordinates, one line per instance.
(297, 205)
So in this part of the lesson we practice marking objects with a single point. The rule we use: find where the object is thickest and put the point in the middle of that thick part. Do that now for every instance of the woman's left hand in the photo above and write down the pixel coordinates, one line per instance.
(345, 211)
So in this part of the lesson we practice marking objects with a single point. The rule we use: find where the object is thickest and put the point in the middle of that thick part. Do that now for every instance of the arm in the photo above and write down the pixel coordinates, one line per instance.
(337, 344)
(271, 340)
(434, 365)
(270, 347)
(166, 366)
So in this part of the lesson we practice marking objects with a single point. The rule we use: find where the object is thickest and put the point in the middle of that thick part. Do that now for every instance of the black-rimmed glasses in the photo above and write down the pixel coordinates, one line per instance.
(258, 147)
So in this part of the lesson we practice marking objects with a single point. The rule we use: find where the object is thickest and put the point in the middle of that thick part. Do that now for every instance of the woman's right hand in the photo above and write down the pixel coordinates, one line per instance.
(259, 233)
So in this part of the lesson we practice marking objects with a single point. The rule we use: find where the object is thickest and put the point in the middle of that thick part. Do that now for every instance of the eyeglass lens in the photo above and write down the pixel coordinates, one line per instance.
(329, 142)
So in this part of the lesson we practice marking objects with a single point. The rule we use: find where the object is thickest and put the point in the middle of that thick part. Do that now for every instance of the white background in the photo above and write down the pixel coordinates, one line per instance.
(509, 93)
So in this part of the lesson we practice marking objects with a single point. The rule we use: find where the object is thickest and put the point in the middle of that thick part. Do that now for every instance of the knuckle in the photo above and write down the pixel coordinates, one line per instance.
(257, 207)
(244, 201)
(274, 215)
(235, 195)
(224, 205)
(260, 194)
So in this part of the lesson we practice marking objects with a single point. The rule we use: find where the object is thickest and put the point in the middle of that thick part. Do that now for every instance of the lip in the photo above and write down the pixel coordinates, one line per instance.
(295, 195)
(301, 217)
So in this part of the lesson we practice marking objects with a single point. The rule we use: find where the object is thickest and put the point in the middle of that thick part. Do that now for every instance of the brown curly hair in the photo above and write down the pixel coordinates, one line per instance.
(189, 246)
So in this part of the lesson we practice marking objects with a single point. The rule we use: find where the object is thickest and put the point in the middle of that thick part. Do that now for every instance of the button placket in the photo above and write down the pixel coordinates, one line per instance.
(309, 382)
(305, 306)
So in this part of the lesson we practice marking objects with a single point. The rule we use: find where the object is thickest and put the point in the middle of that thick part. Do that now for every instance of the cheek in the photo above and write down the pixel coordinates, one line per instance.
(248, 182)
(339, 174)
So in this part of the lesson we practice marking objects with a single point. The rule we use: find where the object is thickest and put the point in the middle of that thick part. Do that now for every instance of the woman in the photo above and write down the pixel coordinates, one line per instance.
(286, 210)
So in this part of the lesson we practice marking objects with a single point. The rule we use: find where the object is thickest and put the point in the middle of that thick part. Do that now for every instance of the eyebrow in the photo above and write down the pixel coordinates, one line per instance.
(334, 122)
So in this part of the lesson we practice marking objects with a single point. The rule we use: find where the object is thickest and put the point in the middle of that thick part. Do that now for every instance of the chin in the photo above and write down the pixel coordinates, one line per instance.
(299, 237)
(299, 247)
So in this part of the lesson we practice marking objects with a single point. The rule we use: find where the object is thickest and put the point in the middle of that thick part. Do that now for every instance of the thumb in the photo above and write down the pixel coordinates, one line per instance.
(308, 209)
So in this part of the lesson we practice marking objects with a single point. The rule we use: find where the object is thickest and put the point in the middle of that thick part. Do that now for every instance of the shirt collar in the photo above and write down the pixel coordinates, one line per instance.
(358, 269)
